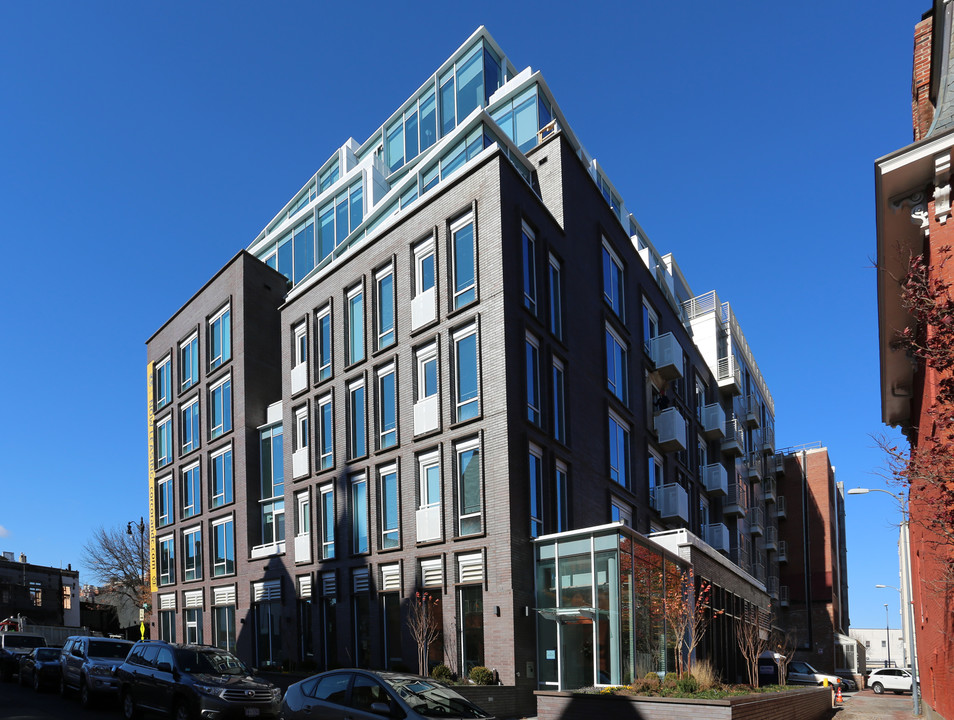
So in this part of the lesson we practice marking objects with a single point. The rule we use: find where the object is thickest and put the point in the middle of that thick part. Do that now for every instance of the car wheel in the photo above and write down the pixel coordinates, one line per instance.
(878, 688)
(182, 711)
(129, 706)
(36, 683)
(86, 697)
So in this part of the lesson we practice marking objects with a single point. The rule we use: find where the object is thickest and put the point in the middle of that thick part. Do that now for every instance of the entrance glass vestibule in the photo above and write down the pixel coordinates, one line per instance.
(601, 600)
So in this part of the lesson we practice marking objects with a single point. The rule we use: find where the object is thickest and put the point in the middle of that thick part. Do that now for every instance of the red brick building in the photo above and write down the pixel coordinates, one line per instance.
(913, 194)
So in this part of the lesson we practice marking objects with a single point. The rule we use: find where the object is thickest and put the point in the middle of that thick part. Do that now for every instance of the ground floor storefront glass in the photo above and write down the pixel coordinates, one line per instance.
(602, 596)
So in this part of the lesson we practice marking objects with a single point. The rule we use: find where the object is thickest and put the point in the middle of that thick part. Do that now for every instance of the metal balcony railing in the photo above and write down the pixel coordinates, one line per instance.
(730, 375)
(756, 521)
(713, 421)
(782, 551)
(670, 428)
(768, 439)
(768, 490)
(736, 500)
(783, 596)
(717, 479)
(734, 441)
(780, 507)
(667, 356)
(753, 411)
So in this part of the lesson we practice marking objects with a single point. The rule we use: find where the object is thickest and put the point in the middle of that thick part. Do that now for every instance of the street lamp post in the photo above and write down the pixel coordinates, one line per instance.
(904, 658)
(141, 527)
(887, 635)
(904, 553)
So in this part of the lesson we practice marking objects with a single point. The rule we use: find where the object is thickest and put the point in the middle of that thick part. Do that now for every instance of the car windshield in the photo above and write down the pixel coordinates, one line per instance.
(108, 649)
(24, 641)
(209, 662)
(433, 700)
(47, 654)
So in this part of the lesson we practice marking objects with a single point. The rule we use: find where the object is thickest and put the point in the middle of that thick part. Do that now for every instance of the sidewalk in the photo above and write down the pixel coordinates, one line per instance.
(865, 705)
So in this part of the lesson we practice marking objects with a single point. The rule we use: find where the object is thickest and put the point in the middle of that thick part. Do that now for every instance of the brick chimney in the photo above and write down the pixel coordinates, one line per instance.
(922, 108)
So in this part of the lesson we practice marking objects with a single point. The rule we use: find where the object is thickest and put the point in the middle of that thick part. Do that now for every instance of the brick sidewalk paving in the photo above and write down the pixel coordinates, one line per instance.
(865, 705)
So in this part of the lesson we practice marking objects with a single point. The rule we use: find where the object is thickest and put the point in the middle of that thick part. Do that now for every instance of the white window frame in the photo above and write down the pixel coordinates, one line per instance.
(187, 381)
(327, 546)
(212, 458)
(355, 480)
(325, 369)
(618, 386)
(195, 441)
(170, 516)
(534, 411)
(651, 329)
(422, 251)
(555, 269)
(617, 303)
(424, 356)
(196, 506)
(558, 381)
(301, 428)
(383, 341)
(164, 366)
(456, 227)
(303, 514)
(195, 534)
(218, 522)
(352, 359)
(353, 388)
(167, 575)
(528, 246)
(226, 410)
(301, 343)
(536, 491)
(389, 533)
(225, 310)
(424, 462)
(161, 424)
(383, 432)
(458, 337)
(326, 453)
(459, 450)
(655, 477)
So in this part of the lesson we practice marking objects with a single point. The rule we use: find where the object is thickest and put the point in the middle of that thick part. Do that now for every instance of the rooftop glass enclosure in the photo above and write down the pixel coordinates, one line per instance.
(601, 598)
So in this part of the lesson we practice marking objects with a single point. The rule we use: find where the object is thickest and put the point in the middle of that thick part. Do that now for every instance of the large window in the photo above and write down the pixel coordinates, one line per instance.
(616, 364)
(191, 491)
(355, 326)
(387, 407)
(223, 547)
(223, 627)
(390, 508)
(193, 625)
(220, 402)
(273, 485)
(327, 501)
(338, 218)
(326, 437)
(164, 502)
(425, 272)
(162, 382)
(561, 490)
(533, 379)
(618, 450)
(300, 350)
(222, 477)
(189, 363)
(192, 553)
(167, 628)
(469, 490)
(220, 338)
(427, 372)
(471, 598)
(189, 426)
(357, 440)
(465, 262)
(164, 442)
(529, 270)
(612, 280)
(522, 117)
(654, 475)
(535, 472)
(359, 514)
(650, 326)
(304, 244)
(559, 401)
(556, 298)
(323, 323)
(467, 385)
(167, 560)
(384, 316)
(429, 513)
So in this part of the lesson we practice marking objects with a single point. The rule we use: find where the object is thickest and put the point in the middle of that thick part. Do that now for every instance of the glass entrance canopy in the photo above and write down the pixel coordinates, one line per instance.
(602, 594)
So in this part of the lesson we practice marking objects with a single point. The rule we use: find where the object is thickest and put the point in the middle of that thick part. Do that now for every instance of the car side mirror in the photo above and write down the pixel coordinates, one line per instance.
(381, 708)
(164, 667)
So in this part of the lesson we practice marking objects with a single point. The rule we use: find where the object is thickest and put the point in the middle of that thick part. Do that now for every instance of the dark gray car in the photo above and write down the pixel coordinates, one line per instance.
(367, 695)
(86, 665)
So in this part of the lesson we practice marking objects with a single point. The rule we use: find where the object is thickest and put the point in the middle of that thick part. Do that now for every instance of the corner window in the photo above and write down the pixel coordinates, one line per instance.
(469, 488)
(533, 379)
(189, 363)
(387, 407)
(359, 514)
(220, 402)
(162, 382)
(326, 455)
(467, 383)
(220, 339)
(323, 330)
(465, 262)
(357, 444)
(390, 510)
(191, 491)
(355, 326)
(189, 426)
(529, 270)
(612, 280)
(385, 307)
(221, 463)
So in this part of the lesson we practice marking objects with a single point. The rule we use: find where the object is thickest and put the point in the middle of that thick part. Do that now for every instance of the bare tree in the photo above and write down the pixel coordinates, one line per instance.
(425, 625)
(752, 636)
(784, 643)
(120, 561)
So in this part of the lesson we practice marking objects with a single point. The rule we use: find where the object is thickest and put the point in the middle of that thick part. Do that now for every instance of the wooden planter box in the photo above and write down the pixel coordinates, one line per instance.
(801, 704)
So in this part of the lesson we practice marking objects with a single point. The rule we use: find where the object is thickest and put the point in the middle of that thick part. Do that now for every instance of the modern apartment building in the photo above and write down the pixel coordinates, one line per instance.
(454, 363)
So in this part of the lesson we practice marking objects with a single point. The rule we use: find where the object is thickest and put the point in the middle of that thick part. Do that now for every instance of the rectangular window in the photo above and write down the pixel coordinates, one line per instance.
(529, 270)
(427, 372)
(430, 476)
(162, 383)
(223, 547)
(192, 554)
(387, 407)
(327, 499)
(535, 472)
(220, 338)
(655, 479)
(301, 428)
(465, 262)
(612, 280)
(273, 485)
(189, 426)
(424, 268)
(533, 380)
(390, 509)
(556, 298)
(618, 450)
(164, 507)
(616, 364)
(301, 344)
(323, 323)
(469, 490)
(326, 454)
(222, 478)
(471, 626)
(167, 625)
(189, 363)
(167, 560)
(620, 512)
(559, 401)
(561, 490)
(164, 442)
(355, 326)
(191, 491)
(359, 514)
(193, 625)
(650, 326)
(385, 309)
(466, 374)
(220, 402)
(357, 445)
(303, 514)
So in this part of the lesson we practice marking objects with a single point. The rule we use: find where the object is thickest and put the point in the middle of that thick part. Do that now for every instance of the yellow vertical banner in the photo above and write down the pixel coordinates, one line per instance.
(151, 431)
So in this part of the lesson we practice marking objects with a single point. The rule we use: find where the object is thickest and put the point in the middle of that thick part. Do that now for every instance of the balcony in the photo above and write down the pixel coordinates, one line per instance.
(768, 490)
(772, 586)
(753, 411)
(717, 536)
(717, 479)
(300, 463)
(780, 507)
(730, 376)
(779, 461)
(303, 548)
(713, 421)
(782, 551)
(429, 523)
(674, 502)
(267, 550)
(736, 501)
(756, 521)
(426, 415)
(670, 430)
(733, 442)
(758, 570)
(771, 538)
(768, 440)
(299, 378)
(667, 356)
(783, 596)
(423, 309)
(754, 464)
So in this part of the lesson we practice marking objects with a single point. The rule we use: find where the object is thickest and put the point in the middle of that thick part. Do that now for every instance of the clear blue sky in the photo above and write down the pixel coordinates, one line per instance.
(143, 144)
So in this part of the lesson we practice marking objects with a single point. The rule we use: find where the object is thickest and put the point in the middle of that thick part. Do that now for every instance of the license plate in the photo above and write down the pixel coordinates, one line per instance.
(251, 712)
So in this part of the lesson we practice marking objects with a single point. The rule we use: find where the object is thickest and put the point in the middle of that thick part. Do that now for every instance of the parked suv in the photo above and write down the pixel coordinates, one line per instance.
(894, 679)
(187, 682)
(12, 646)
(86, 665)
